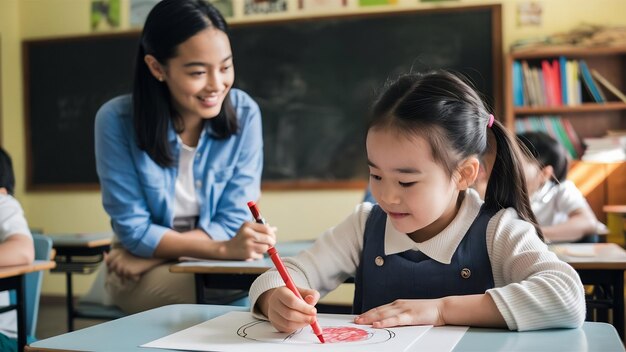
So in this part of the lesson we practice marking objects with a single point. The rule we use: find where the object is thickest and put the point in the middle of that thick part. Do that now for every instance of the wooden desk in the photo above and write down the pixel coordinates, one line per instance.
(233, 274)
(78, 253)
(128, 333)
(12, 278)
(601, 265)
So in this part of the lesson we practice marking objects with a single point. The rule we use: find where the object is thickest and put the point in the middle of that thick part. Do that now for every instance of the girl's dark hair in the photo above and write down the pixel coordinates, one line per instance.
(170, 23)
(7, 178)
(547, 151)
(447, 112)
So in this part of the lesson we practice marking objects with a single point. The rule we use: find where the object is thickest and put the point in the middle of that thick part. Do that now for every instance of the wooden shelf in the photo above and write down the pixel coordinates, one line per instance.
(567, 51)
(585, 107)
(601, 183)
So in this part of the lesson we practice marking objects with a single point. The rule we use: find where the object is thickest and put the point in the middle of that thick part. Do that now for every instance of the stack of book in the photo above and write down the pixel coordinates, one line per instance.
(559, 82)
(608, 149)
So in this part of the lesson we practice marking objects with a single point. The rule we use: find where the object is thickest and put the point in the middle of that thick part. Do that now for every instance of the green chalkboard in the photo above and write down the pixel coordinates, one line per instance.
(314, 80)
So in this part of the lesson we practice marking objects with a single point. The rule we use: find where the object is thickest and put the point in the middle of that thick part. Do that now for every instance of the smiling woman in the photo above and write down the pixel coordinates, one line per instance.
(178, 160)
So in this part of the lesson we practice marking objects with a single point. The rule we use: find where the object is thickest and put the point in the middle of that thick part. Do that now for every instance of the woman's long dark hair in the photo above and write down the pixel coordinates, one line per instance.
(447, 112)
(170, 23)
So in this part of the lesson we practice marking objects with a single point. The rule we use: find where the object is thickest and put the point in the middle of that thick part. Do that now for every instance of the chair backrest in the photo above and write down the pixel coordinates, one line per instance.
(43, 248)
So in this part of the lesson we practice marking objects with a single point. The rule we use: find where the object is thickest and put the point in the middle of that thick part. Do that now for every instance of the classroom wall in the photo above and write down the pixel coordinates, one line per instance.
(82, 211)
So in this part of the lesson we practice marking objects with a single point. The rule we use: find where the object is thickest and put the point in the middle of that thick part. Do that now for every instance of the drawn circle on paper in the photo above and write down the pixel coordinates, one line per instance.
(263, 331)
(344, 334)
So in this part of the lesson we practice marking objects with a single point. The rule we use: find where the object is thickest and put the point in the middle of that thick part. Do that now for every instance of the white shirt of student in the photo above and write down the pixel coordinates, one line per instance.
(12, 223)
(185, 201)
(553, 203)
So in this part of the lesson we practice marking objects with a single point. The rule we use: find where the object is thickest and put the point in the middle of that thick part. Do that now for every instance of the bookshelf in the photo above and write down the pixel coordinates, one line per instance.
(602, 183)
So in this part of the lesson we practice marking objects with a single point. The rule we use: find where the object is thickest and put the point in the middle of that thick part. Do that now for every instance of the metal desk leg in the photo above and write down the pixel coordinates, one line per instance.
(199, 278)
(69, 301)
(618, 303)
(20, 291)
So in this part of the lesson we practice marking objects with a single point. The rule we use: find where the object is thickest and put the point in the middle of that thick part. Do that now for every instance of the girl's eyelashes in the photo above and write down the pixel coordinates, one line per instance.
(406, 184)
(375, 177)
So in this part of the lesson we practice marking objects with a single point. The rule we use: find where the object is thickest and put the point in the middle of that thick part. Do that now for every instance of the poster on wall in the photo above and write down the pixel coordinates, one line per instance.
(224, 6)
(377, 2)
(529, 14)
(321, 4)
(105, 14)
(139, 9)
(252, 7)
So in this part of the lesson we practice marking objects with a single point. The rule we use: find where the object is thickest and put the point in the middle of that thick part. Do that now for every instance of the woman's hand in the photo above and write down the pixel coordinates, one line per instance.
(404, 312)
(250, 242)
(286, 311)
(127, 265)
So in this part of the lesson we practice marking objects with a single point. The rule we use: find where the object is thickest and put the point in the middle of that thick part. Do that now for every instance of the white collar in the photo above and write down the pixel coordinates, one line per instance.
(443, 246)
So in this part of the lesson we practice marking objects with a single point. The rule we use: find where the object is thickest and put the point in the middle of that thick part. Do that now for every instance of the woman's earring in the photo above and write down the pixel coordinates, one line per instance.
(160, 78)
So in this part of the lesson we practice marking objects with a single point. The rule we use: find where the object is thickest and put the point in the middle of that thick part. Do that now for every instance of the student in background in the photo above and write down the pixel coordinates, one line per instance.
(561, 210)
(16, 246)
(431, 252)
(178, 160)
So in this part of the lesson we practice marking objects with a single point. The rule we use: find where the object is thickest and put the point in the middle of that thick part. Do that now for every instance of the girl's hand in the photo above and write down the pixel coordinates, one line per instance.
(127, 265)
(286, 311)
(250, 242)
(404, 312)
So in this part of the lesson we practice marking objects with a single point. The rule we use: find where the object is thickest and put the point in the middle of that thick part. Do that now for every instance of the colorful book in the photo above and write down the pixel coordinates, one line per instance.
(548, 84)
(573, 136)
(555, 127)
(556, 75)
(518, 84)
(540, 87)
(588, 82)
(574, 83)
(608, 85)
(563, 72)
(571, 83)
(529, 86)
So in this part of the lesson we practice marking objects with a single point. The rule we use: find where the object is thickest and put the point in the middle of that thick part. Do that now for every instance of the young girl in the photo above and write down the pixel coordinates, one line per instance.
(561, 210)
(178, 160)
(431, 252)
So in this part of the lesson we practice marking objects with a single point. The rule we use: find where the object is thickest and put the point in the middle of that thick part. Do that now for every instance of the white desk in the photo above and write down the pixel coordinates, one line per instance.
(128, 333)
(233, 274)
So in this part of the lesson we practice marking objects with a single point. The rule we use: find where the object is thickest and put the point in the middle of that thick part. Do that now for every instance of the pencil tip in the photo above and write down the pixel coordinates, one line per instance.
(321, 337)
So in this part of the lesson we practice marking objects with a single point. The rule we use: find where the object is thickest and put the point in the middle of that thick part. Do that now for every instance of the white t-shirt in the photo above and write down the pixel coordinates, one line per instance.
(553, 203)
(12, 222)
(185, 201)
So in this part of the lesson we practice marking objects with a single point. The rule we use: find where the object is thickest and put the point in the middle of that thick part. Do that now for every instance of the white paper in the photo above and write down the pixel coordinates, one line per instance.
(239, 331)
(580, 251)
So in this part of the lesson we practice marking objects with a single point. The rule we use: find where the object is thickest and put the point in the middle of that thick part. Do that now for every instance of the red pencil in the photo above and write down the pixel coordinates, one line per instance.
(284, 274)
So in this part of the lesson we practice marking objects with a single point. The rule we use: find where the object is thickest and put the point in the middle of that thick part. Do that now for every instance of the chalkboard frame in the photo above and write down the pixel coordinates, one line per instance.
(496, 57)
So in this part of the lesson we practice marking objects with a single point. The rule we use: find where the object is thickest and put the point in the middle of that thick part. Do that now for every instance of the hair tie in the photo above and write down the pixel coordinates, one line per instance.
(490, 123)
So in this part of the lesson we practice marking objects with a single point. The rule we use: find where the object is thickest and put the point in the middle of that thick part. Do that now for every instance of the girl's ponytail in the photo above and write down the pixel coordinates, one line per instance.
(506, 187)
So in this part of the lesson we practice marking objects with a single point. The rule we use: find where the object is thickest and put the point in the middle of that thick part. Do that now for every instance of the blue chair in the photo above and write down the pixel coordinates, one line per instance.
(43, 247)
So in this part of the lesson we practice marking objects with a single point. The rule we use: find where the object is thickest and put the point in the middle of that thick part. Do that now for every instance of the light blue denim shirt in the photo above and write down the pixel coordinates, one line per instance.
(138, 194)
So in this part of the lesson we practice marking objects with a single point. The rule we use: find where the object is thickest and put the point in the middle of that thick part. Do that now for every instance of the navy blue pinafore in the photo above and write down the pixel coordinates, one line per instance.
(382, 279)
